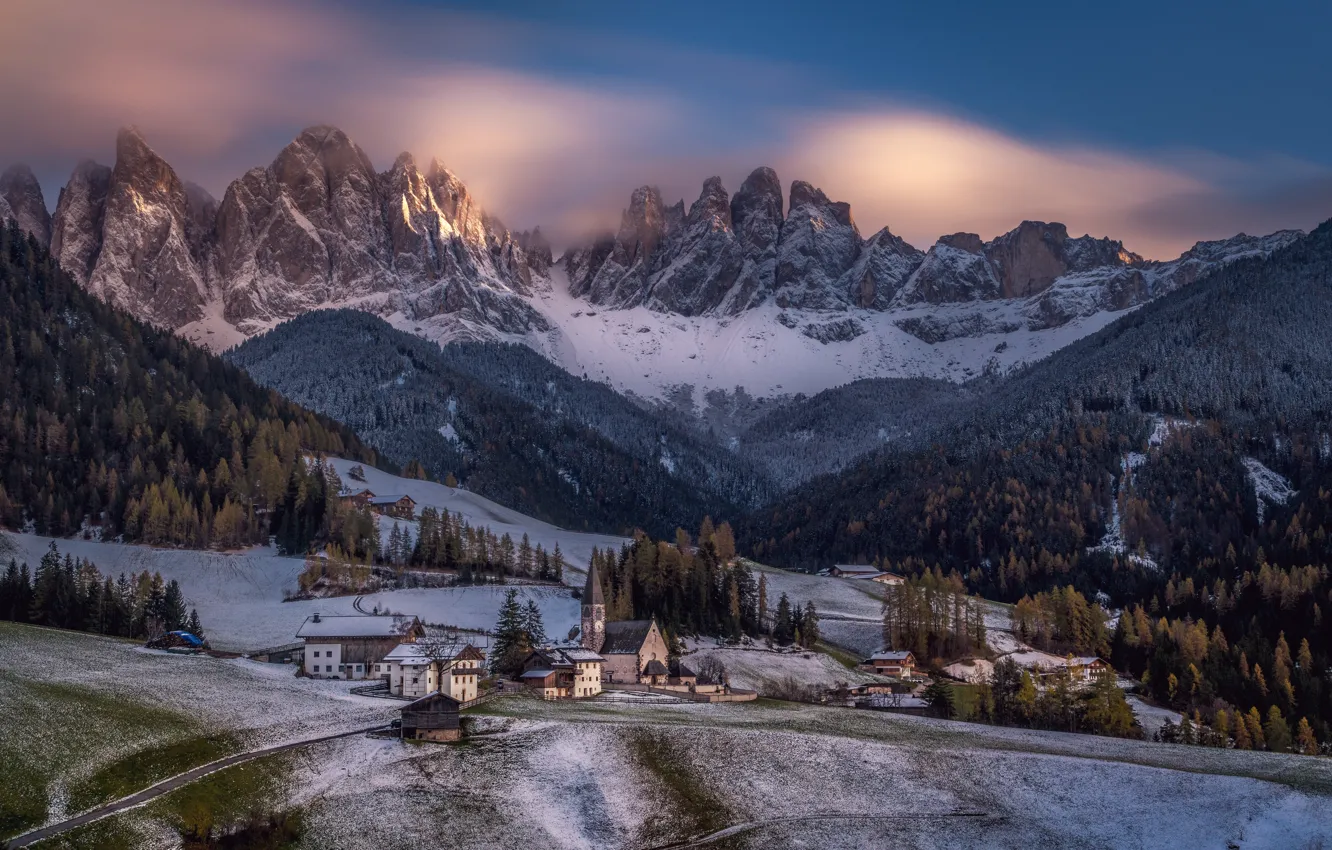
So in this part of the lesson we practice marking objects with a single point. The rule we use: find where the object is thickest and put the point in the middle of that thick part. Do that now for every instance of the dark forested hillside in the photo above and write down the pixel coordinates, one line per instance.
(504, 422)
(108, 421)
(831, 430)
(1140, 464)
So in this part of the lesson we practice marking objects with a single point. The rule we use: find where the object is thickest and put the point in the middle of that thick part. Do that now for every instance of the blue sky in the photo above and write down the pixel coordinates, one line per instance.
(1156, 123)
(1242, 78)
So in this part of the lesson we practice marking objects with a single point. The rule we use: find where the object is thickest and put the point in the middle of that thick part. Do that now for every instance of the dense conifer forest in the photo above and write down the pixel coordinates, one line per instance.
(505, 423)
(110, 422)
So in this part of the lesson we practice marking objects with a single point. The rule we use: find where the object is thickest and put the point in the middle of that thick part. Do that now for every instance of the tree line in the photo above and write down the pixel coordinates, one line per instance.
(69, 593)
(109, 422)
(699, 588)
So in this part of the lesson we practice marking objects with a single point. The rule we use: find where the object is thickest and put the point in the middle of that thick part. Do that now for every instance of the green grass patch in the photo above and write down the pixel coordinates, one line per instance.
(842, 656)
(146, 767)
(101, 745)
(694, 809)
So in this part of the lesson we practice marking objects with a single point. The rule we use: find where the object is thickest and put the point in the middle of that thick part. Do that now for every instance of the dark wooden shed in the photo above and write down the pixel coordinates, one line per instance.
(433, 717)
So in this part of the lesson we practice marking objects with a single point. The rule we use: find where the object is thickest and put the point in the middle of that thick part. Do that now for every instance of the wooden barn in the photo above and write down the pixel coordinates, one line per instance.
(433, 717)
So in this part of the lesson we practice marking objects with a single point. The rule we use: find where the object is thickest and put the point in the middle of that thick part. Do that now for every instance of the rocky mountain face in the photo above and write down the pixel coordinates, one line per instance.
(728, 254)
(721, 259)
(318, 226)
(21, 199)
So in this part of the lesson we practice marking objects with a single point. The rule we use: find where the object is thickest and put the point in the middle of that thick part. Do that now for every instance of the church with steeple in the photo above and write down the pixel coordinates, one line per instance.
(635, 650)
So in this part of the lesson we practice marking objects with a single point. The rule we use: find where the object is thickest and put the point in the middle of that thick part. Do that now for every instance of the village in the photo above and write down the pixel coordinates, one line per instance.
(438, 672)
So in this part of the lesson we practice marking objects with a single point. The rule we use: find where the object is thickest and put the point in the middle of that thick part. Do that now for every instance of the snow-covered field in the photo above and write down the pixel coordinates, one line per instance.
(614, 775)
(758, 668)
(239, 595)
(608, 775)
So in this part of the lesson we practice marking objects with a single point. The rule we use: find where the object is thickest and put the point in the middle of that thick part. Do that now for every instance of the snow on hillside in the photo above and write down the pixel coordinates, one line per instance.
(479, 511)
(239, 595)
(1268, 486)
(766, 350)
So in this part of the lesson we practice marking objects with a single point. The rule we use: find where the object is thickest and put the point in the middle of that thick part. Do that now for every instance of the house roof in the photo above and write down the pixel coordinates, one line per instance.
(414, 654)
(352, 626)
(625, 636)
(895, 655)
(429, 698)
(388, 500)
(860, 569)
(578, 654)
(656, 668)
(537, 674)
(350, 494)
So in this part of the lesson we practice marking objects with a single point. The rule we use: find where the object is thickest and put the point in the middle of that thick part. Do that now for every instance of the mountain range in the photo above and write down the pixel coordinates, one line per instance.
(774, 294)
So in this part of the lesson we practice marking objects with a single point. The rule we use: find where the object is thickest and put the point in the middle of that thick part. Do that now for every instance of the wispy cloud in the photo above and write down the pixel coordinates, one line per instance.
(219, 87)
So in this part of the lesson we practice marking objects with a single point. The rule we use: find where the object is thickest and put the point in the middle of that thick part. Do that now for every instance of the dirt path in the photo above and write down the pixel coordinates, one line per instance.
(750, 826)
(152, 792)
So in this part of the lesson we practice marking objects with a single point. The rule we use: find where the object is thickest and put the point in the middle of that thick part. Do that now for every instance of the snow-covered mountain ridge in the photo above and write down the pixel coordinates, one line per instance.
(737, 291)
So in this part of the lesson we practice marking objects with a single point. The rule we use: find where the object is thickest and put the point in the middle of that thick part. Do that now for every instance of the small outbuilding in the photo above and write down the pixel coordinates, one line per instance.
(397, 506)
(433, 717)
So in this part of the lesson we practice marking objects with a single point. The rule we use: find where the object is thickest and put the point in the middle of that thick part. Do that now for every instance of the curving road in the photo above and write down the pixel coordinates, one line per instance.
(167, 785)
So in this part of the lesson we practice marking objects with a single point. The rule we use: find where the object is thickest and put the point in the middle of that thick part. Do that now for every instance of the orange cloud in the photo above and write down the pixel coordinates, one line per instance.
(219, 87)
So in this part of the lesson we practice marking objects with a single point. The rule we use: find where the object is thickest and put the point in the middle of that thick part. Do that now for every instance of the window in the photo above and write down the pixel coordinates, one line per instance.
(316, 654)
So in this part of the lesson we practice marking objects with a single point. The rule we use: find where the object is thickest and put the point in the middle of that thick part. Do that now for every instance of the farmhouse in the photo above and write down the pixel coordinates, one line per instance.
(425, 667)
(890, 579)
(562, 672)
(356, 498)
(899, 663)
(433, 717)
(398, 507)
(629, 647)
(349, 646)
(1088, 668)
(854, 571)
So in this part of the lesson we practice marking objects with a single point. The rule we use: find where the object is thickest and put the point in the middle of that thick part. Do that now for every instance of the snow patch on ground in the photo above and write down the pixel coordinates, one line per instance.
(1268, 486)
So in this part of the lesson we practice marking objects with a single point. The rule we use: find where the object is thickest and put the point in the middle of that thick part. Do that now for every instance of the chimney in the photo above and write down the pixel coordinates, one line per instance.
(315, 618)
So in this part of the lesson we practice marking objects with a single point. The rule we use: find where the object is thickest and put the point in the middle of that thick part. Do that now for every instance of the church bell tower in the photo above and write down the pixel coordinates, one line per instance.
(594, 611)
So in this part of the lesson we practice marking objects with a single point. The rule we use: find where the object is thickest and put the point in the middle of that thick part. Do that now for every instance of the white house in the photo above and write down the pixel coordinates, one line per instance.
(454, 670)
(348, 646)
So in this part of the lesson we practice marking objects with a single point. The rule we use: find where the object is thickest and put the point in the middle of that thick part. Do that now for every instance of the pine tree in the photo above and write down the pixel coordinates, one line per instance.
(1276, 731)
(510, 646)
(782, 630)
(809, 625)
(532, 626)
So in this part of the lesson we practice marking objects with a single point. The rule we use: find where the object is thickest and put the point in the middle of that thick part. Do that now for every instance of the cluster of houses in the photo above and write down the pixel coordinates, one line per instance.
(396, 506)
(443, 674)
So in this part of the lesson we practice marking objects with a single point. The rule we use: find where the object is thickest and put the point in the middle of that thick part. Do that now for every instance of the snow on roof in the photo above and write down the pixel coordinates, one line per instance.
(857, 568)
(352, 626)
(348, 494)
(430, 697)
(580, 654)
(387, 500)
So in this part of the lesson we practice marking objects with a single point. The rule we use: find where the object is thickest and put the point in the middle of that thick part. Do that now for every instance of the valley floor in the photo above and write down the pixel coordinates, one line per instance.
(602, 774)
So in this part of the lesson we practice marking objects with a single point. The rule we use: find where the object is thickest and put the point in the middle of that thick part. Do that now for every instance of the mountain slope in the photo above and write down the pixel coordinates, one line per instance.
(507, 424)
(1245, 347)
(110, 422)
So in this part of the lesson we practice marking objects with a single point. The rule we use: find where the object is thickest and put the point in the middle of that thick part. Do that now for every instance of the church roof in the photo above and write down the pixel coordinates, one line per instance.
(656, 668)
(625, 636)
(592, 594)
